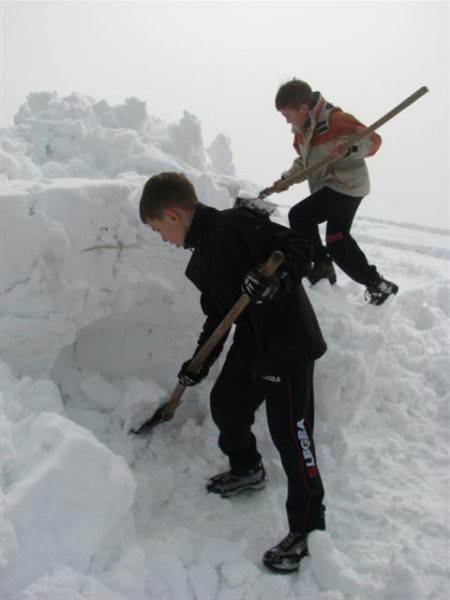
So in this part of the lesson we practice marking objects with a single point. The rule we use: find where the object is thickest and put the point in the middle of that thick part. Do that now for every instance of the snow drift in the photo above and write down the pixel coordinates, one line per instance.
(97, 317)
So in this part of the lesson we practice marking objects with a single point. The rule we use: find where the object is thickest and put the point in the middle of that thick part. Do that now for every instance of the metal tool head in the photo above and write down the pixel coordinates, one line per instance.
(257, 204)
(160, 416)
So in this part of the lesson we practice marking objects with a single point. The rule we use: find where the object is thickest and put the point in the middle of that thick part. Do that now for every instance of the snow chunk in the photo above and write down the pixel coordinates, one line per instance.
(26, 397)
(204, 581)
(65, 494)
(221, 156)
(102, 394)
(330, 566)
(238, 570)
(215, 551)
(67, 584)
(185, 140)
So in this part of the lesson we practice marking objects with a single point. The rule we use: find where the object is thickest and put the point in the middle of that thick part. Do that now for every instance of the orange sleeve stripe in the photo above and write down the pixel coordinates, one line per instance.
(376, 143)
(343, 124)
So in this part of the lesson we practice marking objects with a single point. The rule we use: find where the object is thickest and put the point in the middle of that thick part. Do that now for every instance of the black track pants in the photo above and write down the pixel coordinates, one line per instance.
(289, 400)
(338, 210)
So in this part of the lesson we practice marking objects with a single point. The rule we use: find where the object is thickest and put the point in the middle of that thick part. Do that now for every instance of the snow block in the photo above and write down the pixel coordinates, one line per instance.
(215, 551)
(330, 566)
(101, 394)
(66, 493)
(67, 584)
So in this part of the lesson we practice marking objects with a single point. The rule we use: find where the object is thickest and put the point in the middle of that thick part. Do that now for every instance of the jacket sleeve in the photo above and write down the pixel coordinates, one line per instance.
(297, 166)
(195, 273)
(344, 126)
(263, 237)
(296, 262)
(213, 319)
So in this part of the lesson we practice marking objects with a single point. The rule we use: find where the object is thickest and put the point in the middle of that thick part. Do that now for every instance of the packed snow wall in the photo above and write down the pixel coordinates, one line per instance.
(88, 293)
(73, 172)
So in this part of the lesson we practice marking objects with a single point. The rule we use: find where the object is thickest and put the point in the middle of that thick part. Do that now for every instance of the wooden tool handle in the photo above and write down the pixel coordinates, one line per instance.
(268, 269)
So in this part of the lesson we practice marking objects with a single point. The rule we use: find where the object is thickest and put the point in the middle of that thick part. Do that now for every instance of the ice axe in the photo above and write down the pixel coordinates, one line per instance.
(167, 410)
(261, 205)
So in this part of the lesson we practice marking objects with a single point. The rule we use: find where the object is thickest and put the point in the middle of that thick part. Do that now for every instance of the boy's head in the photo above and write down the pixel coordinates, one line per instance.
(294, 100)
(167, 205)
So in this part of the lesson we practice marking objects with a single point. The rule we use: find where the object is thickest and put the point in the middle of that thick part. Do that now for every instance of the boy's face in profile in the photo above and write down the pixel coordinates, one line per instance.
(295, 116)
(172, 226)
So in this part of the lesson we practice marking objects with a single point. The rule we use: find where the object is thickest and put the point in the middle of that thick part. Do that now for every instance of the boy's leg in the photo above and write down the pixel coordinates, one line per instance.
(234, 400)
(305, 217)
(341, 246)
(290, 414)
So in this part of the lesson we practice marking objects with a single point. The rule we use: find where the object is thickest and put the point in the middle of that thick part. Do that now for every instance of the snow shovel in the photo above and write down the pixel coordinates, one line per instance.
(267, 208)
(167, 410)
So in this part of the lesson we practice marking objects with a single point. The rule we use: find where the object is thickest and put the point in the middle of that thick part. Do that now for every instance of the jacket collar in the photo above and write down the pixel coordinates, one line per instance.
(200, 225)
(311, 119)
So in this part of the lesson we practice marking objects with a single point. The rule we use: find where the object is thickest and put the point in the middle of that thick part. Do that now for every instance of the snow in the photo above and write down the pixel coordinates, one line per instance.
(97, 317)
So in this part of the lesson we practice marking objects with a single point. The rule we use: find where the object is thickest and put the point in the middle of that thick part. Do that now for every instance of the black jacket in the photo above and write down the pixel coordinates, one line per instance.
(226, 245)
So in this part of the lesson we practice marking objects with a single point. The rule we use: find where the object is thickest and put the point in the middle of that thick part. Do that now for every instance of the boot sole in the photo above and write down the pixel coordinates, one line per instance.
(279, 569)
(231, 493)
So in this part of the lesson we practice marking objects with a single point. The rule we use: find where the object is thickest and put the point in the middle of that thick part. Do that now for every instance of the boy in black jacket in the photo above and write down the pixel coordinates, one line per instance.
(276, 340)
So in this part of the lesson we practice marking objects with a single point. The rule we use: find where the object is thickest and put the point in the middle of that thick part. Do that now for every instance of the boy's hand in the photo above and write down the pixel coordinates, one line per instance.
(189, 378)
(280, 186)
(339, 150)
(261, 289)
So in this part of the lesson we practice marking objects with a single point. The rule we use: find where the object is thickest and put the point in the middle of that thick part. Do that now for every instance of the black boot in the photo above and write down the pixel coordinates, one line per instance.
(227, 484)
(322, 269)
(285, 557)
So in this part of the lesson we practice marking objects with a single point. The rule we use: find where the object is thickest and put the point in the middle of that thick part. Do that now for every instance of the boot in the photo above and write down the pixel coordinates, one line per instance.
(322, 269)
(227, 484)
(285, 557)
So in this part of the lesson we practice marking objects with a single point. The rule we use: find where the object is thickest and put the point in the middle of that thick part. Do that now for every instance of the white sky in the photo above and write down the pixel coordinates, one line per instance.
(224, 61)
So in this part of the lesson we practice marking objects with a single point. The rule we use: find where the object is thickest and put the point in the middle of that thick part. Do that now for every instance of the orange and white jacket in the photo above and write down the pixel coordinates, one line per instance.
(325, 126)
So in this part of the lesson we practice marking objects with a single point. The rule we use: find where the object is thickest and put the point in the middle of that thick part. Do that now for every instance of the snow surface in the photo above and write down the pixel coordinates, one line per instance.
(96, 319)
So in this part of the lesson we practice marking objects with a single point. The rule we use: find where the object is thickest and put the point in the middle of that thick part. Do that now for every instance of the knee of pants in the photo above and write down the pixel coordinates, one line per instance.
(296, 215)
(336, 243)
(221, 412)
(228, 417)
(218, 409)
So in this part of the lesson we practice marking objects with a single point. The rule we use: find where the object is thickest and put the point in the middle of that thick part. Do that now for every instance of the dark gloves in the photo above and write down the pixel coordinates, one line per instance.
(264, 289)
(189, 378)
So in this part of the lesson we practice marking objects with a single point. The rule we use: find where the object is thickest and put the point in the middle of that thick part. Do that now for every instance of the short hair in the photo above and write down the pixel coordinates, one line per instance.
(293, 94)
(166, 190)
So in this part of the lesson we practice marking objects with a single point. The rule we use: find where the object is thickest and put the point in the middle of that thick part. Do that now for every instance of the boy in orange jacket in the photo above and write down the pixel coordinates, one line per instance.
(320, 129)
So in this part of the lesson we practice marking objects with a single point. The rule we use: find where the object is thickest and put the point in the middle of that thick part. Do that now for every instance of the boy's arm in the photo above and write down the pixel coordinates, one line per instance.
(187, 377)
(297, 257)
(262, 237)
(213, 319)
(343, 126)
(297, 165)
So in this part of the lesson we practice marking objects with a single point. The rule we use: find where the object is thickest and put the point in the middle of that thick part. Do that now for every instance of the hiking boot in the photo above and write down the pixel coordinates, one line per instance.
(379, 290)
(285, 557)
(322, 269)
(227, 484)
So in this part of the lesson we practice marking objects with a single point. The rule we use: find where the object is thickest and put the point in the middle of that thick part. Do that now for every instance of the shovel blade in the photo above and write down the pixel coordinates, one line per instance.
(264, 207)
(160, 416)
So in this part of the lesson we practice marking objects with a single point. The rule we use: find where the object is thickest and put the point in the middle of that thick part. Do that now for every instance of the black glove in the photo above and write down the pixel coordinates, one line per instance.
(259, 288)
(189, 378)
